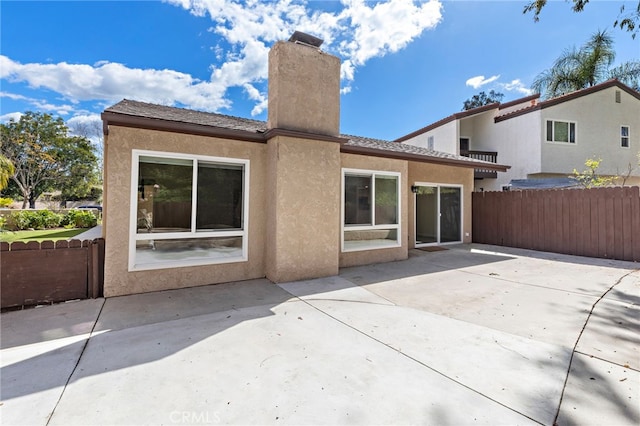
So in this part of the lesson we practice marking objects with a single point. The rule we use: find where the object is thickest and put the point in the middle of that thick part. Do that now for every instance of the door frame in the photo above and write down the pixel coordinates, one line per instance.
(415, 214)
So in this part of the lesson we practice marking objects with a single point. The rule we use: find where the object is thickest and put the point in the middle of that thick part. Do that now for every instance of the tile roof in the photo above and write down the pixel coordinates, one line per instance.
(182, 115)
(501, 116)
(403, 148)
(168, 118)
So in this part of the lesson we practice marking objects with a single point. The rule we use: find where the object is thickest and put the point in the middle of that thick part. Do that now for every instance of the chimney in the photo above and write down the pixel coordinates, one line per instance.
(304, 87)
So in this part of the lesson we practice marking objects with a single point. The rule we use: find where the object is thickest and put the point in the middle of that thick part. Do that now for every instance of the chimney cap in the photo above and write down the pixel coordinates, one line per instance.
(308, 39)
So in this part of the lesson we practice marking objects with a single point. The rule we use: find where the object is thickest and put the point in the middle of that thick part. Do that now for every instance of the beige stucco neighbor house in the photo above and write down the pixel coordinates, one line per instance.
(195, 198)
(544, 139)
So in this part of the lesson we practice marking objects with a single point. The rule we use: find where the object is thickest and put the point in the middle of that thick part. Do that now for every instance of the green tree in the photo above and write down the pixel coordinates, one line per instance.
(626, 20)
(46, 158)
(579, 68)
(7, 170)
(482, 99)
(590, 178)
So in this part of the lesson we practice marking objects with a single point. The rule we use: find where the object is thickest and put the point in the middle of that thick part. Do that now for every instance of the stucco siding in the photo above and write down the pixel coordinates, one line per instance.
(517, 142)
(119, 145)
(365, 257)
(598, 119)
(445, 138)
(303, 209)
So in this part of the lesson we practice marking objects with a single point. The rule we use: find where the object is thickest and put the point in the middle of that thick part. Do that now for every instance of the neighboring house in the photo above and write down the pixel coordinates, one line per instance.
(544, 139)
(194, 198)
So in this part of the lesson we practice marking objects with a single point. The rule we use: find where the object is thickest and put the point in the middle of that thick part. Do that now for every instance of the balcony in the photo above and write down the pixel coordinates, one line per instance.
(488, 156)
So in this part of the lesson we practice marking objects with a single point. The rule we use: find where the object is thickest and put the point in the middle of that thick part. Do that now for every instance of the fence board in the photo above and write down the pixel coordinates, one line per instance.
(37, 273)
(602, 222)
(634, 195)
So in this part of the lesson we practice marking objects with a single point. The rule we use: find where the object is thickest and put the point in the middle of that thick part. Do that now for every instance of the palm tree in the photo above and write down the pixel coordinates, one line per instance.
(577, 69)
(6, 171)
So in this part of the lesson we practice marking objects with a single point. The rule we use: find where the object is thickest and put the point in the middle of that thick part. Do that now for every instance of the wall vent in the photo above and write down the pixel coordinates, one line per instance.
(618, 98)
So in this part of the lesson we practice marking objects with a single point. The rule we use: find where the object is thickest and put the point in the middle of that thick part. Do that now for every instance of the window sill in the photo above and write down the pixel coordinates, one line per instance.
(365, 245)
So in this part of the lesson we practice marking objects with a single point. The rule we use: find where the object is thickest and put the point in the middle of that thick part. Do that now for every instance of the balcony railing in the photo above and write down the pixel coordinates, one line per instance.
(488, 156)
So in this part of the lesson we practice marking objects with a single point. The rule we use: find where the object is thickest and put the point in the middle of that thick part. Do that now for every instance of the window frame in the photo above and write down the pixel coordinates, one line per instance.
(628, 137)
(553, 127)
(194, 233)
(397, 226)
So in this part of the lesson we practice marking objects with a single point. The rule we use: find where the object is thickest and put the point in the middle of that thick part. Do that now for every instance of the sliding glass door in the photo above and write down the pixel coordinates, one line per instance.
(438, 214)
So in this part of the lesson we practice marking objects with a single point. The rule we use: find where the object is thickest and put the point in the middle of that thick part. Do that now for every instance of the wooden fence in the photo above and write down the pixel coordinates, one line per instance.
(600, 222)
(41, 273)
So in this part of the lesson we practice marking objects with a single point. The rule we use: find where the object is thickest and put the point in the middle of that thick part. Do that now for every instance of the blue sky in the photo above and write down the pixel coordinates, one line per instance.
(405, 64)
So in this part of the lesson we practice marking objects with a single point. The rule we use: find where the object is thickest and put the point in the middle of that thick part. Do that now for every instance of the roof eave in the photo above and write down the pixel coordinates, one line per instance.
(147, 123)
(374, 152)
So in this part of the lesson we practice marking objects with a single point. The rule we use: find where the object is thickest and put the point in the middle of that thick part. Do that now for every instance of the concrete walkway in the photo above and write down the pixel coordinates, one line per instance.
(471, 335)
(90, 234)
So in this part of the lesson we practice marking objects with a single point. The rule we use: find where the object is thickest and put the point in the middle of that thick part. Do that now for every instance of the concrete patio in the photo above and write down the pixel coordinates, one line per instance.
(471, 335)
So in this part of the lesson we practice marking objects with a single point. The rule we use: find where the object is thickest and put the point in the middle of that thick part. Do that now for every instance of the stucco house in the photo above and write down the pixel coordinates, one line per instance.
(195, 198)
(545, 139)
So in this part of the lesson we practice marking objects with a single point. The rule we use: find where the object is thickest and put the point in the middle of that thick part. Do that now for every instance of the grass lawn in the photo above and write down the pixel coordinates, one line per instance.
(40, 235)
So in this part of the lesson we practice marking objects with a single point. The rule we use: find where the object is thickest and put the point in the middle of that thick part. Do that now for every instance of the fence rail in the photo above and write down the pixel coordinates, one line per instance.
(600, 222)
(40, 273)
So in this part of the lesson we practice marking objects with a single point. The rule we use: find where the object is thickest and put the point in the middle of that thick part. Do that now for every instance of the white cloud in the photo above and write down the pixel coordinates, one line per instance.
(87, 125)
(15, 116)
(39, 104)
(479, 81)
(112, 81)
(517, 86)
(357, 32)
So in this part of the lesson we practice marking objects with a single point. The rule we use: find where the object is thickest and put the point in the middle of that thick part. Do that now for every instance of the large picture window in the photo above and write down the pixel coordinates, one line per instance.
(561, 131)
(371, 210)
(187, 210)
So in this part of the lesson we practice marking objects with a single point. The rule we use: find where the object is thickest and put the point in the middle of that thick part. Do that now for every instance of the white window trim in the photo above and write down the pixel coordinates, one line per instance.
(133, 214)
(628, 137)
(554, 120)
(372, 227)
(415, 216)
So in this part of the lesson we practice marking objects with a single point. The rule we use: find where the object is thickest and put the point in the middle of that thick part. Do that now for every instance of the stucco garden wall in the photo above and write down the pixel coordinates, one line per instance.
(118, 157)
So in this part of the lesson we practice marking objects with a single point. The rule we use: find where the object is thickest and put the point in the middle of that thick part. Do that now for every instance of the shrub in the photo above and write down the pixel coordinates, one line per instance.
(5, 202)
(33, 219)
(79, 219)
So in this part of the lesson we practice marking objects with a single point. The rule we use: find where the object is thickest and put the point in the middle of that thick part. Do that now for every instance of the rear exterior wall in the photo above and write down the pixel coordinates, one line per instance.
(438, 174)
(118, 160)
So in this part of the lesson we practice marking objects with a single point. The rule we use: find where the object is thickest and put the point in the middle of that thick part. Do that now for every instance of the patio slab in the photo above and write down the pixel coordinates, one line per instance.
(468, 335)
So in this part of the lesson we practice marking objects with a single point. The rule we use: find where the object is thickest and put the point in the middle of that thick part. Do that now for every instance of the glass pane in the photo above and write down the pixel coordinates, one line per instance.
(450, 215)
(187, 249)
(374, 238)
(427, 215)
(561, 131)
(624, 131)
(550, 131)
(572, 132)
(357, 200)
(164, 195)
(386, 200)
(219, 202)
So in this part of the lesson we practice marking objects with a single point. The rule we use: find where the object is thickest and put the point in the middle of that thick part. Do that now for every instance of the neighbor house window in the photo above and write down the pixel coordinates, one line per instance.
(371, 210)
(561, 131)
(624, 136)
(187, 210)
